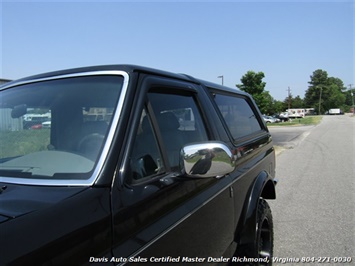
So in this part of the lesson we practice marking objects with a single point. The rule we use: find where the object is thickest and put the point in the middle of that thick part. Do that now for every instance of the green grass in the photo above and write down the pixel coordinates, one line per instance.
(308, 120)
(16, 143)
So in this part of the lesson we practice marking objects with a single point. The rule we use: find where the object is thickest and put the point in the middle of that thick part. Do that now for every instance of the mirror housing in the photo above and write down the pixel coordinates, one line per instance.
(206, 159)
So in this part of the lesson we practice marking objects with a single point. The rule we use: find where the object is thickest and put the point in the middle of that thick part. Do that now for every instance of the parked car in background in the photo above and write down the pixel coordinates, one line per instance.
(46, 124)
(335, 111)
(135, 166)
(269, 119)
(283, 116)
(277, 120)
(36, 126)
(34, 120)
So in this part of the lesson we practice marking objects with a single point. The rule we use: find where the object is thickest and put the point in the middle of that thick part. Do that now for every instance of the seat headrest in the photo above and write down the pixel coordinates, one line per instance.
(90, 127)
(168, 121)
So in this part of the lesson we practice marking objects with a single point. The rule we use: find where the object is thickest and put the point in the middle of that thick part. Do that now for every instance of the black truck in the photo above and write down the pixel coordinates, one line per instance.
(138, 166)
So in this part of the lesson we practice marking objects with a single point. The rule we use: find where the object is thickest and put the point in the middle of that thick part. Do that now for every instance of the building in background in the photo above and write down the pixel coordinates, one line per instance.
(6, 123)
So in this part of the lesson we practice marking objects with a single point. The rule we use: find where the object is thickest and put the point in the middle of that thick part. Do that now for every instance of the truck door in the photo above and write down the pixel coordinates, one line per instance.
(157, 213)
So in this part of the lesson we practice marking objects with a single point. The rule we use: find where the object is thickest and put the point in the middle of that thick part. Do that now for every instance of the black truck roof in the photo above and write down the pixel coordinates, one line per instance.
(126, 68)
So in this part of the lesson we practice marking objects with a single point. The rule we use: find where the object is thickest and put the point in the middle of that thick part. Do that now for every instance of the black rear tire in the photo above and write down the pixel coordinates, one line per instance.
(265, 233)
(261, 251)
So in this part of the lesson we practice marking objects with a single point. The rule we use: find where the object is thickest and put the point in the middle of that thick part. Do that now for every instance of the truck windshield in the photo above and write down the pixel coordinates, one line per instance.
(56, 129)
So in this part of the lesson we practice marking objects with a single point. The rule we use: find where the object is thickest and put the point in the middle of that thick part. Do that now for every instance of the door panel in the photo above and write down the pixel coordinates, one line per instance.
(158, 212)
(203, 230)
(179, 220)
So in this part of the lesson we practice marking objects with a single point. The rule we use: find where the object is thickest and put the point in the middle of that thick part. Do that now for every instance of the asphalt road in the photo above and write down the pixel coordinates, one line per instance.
(315, 206)
(288, 136)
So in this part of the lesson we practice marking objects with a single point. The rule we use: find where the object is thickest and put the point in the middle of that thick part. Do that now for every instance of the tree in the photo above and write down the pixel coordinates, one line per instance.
(333, 97)
(319, 80)
(278, 107)
(349, 97)
(295, 102)
(298, 102)
(338, 82)
(268, 107)
(324, 92)
(252, 83)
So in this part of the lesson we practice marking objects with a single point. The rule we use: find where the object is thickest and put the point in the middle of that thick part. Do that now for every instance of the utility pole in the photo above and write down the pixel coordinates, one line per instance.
(320, 99)
(352, 97)
(222, 79)
(289, 98)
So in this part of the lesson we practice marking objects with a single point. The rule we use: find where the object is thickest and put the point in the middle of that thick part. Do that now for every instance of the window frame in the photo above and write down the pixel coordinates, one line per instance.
(117, 117)
(152, 177)
(250, 103)
(161, 85)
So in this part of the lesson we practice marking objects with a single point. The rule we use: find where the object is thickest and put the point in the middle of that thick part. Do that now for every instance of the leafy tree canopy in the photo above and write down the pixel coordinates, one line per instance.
(293, 102)
(252, 83)
(324, 92)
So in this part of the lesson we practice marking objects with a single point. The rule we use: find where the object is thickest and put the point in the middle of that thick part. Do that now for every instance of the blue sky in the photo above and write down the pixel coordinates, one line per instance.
(287, 40)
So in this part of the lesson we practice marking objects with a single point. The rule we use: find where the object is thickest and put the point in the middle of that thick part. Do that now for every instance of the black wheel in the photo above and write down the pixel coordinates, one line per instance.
(261, 251)
(265, 234)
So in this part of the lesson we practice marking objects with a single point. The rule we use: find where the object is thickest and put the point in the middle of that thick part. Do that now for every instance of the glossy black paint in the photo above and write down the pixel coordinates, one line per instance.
(54, 225)
(169, 216)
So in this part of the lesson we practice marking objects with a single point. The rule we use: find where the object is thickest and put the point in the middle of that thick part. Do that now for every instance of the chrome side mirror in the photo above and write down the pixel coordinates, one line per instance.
(207, 159)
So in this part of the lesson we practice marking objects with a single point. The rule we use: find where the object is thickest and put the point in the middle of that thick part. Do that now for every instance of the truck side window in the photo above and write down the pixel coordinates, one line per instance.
(238, 115)
(172, 122)
(146, 158)
(179, 122)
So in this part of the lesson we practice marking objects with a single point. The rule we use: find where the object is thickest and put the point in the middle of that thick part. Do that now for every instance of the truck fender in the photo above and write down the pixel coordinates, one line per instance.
(263, 187)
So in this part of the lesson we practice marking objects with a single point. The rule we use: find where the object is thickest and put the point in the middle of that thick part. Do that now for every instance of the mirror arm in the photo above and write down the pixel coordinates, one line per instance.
(170, 179)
